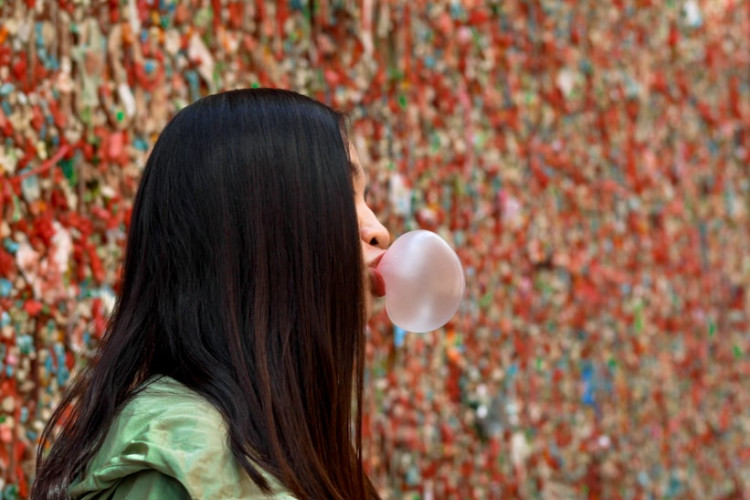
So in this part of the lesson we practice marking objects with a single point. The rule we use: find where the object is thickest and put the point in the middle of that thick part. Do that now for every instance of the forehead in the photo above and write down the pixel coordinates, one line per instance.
(357, 171)
(356, 166)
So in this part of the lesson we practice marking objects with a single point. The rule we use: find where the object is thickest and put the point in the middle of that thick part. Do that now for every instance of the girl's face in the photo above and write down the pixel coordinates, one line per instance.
(374, 236)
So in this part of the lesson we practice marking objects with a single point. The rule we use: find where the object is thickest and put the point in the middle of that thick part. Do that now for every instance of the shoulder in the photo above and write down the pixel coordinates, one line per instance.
(169, 412)
(172, 430)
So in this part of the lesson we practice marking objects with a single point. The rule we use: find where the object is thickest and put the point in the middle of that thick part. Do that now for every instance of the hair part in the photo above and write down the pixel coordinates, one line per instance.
(242, 280)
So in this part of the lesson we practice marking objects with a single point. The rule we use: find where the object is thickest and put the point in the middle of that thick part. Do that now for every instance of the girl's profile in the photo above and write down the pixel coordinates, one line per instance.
(232, 366)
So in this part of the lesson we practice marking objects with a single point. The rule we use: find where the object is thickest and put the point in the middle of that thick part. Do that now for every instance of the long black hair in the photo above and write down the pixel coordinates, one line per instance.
(242, 280)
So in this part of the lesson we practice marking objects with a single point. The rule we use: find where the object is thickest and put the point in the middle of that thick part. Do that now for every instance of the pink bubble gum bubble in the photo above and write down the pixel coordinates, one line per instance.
(424, 281)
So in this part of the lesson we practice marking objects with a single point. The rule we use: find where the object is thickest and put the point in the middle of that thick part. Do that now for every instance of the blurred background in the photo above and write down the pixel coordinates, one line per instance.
(589, 160)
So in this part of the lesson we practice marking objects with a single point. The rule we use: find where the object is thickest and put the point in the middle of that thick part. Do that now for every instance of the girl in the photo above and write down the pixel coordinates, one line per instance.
(233, 361)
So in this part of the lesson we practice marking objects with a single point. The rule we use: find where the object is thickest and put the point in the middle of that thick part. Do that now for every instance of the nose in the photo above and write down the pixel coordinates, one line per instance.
(373, 232)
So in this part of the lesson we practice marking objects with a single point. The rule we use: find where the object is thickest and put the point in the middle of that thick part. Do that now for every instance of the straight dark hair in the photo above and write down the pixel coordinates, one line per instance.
(243, 280)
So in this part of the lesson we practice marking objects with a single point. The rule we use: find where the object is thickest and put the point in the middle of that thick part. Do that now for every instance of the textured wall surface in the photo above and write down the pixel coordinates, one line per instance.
(589, 161)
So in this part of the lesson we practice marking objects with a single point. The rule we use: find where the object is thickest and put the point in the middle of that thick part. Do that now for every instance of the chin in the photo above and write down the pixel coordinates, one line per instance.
(368, 305)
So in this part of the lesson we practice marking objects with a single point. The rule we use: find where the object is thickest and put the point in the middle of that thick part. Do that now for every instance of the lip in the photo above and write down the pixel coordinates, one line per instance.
(377, 284)
(376, 261)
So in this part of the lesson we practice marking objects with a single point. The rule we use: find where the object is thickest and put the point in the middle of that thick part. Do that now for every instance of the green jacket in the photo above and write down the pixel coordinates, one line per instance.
(168, 442)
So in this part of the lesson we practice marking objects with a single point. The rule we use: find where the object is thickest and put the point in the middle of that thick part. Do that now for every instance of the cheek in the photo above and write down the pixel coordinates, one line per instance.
(365, 208)
(363, 212)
